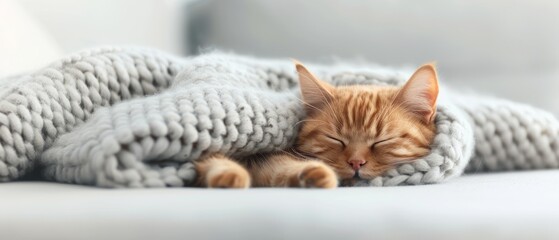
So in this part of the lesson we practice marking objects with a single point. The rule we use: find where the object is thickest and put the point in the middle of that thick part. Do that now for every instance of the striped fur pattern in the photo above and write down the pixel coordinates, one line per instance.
(378, 127)
(351, 133)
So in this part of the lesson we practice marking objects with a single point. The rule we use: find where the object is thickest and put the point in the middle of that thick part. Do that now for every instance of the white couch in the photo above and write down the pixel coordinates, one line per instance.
(485, 206)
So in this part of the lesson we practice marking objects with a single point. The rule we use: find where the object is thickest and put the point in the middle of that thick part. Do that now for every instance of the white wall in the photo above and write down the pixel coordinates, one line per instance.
(507, 48)
(78, 24)
(24, 43)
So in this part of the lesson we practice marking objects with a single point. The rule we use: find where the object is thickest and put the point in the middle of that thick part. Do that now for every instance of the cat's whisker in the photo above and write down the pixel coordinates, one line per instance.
(330, 113)
(310, 120)
(310, 105)
(292, 153)
(326, 99)
(334, 114)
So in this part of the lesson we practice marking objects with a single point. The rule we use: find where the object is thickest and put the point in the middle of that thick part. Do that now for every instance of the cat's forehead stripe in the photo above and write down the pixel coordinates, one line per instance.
(359, 111)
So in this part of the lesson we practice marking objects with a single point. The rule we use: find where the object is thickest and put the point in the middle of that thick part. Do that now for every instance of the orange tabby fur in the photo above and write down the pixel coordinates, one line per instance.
(351, 132)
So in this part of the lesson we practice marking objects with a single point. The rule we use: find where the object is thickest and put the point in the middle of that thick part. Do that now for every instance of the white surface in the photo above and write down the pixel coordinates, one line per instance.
(497, 206)
(79, 24)
(24, 44)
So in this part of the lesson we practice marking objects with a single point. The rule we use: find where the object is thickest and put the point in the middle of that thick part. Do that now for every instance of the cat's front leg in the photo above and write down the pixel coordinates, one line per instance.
(285, 170)
(219, 171)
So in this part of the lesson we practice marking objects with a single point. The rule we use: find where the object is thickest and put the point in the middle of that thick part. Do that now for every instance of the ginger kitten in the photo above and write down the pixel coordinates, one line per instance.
(350, 132)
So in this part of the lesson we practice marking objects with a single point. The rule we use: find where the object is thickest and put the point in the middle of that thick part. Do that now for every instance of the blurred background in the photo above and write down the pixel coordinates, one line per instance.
(502, 47)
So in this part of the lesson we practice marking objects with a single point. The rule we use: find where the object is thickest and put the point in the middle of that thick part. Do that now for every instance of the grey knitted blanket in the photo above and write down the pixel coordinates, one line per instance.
(138, 118)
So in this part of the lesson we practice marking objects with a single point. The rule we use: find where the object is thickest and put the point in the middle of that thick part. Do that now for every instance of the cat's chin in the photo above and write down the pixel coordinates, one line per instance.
(365, 176)
(350, 174)
(350, 182)
(345, 174)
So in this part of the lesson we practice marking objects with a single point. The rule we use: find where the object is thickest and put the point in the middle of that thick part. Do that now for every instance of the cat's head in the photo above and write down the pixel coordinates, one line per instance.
(361, 131)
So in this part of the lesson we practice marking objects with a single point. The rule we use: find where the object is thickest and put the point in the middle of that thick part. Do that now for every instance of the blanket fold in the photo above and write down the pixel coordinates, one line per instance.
(138, 118)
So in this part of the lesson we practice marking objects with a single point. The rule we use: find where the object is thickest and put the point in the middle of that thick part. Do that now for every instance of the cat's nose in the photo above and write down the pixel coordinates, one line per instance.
(356, 163)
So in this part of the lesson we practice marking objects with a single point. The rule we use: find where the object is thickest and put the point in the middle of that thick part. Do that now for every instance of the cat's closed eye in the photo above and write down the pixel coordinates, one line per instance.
(380, 142)
(336, 140)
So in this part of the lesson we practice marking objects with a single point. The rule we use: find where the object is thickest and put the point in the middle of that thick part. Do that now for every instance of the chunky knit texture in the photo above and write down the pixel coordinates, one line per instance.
(138, 118)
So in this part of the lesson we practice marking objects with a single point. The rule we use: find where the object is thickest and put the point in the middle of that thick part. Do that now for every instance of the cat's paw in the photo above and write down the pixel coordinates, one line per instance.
(229, 178)
(318, 176)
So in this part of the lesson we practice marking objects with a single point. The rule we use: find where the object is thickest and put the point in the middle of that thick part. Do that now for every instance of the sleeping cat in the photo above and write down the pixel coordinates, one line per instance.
(350, 132)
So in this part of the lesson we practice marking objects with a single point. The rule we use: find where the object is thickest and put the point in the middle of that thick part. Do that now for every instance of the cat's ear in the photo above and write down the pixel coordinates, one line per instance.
(315, 92)
(419, 94)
